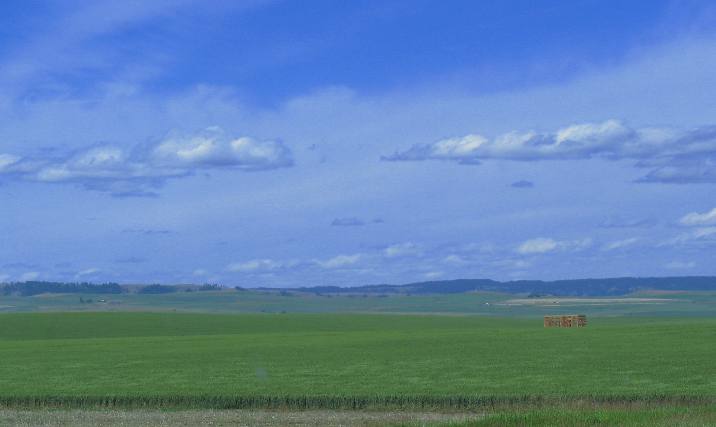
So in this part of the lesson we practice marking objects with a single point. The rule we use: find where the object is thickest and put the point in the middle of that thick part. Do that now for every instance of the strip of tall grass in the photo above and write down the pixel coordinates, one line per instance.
(401, 402)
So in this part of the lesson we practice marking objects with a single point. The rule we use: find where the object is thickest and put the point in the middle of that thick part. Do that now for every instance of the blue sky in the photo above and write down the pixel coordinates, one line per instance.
(278, 143)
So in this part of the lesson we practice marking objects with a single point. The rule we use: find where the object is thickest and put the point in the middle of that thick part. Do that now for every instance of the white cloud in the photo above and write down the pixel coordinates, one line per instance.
(702, 234)
(455, 260)
(543, 245)
(538, 246)
(699, 219)
(619, 244)
(255, 265)
(7, 160)
(626, 222)
(200, 272)
(403, 250)
(673, 155)
(29, 276)
(340, 261)
(212, 149)
(123, 172)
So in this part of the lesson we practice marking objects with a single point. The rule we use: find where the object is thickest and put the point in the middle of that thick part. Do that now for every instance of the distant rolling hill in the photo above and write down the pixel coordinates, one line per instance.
(576, 287)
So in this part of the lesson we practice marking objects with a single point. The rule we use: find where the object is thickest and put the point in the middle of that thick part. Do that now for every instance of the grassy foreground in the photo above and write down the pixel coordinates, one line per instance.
(348, 361)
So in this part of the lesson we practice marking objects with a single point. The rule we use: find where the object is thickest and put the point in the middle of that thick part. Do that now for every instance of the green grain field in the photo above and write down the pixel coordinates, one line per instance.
(347, 361)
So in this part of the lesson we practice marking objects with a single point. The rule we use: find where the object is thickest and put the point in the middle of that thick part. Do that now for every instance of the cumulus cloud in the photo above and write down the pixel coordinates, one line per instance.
(403, 250)
(142, 169)
(672, 155)
(699, 219)
(542, 245)
(213, 149)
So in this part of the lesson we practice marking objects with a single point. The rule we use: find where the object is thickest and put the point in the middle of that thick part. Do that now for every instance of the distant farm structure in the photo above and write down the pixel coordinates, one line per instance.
(565, 321)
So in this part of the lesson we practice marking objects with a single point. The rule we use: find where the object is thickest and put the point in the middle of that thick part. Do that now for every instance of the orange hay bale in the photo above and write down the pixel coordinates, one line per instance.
(565, 321)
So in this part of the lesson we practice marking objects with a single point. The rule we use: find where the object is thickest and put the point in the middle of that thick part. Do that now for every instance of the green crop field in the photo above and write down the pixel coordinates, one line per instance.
(330, 359)
(474, 370)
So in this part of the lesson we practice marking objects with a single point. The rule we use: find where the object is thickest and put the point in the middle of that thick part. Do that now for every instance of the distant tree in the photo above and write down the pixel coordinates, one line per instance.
(31, 288)
(158, 289)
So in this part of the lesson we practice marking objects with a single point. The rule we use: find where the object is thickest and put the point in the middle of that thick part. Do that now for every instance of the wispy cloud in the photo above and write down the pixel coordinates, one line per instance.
(354, 222)
(403, 250)
(699, 219)
(340, 261)
(622, 222)
(672, 155)
(455, 259)
(620, 244)
(542, 245)
(702, 231)
(539, 245)
(697, 235)
(147, 231)
(139, 171)
(255, 265)
(80, 43)
(130, 260)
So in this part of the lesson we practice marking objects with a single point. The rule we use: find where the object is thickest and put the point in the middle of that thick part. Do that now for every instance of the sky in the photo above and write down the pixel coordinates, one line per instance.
(286, 143)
